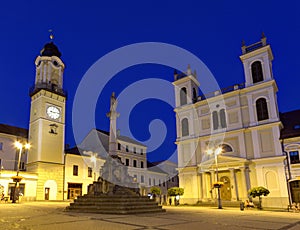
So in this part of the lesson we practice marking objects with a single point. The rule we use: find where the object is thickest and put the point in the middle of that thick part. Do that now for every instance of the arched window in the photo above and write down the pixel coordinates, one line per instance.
(257, 73)
(183, 96)
(185, 127)
(194, 95)
(223, 118)
(215, 120)
(226, 148)
(262, 109)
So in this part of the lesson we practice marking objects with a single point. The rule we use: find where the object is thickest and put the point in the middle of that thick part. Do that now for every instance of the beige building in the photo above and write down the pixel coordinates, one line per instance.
(49, 171)
(232, 135)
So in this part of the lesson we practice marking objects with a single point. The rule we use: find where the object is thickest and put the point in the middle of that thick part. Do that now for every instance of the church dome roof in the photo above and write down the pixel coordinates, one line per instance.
(50, 50)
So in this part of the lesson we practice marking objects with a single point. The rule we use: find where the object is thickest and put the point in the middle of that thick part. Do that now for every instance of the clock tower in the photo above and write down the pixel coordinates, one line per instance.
(47, 124)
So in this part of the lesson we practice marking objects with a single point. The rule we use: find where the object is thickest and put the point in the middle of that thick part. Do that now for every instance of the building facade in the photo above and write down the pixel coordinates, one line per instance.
(231, 135)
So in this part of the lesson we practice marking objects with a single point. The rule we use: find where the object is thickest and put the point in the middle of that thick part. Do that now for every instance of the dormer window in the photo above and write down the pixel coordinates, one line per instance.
(257, 73)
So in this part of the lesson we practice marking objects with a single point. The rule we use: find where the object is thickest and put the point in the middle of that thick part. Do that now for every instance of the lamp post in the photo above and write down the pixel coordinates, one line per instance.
(17, 178)
(216, 152)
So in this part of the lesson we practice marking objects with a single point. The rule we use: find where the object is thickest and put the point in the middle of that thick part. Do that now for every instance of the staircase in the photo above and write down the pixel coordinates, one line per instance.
(114, 204)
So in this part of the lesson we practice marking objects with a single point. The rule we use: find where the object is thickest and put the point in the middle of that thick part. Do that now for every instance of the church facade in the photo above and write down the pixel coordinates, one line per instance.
(232, 135)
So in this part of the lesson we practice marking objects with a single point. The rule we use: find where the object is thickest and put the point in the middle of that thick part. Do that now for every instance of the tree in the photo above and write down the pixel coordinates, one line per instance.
(174, 191)
(259, 191)
(155, 190)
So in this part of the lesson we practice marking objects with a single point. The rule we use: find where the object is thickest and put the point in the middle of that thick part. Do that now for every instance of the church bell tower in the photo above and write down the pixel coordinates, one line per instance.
(47, 124)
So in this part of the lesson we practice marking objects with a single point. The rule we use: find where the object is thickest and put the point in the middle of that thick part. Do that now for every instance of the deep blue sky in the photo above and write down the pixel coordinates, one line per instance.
(87, 30)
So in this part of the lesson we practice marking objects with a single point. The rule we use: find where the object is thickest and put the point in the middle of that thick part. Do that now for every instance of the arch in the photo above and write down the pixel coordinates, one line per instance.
(194, 95)
(215, 120)
(257, 73)
(223, 118)
(226, 148)
(262, 109)
(185, 127)
(183, 96)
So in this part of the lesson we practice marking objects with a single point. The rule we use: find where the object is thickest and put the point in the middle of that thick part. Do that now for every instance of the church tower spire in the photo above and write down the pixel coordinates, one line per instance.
(113, 115)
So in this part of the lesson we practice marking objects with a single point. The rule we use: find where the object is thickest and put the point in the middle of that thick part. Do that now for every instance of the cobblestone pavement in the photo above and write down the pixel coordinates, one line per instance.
(51, 215)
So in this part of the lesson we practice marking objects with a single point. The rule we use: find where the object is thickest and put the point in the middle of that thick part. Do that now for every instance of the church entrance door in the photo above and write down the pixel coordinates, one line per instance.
(226, 188)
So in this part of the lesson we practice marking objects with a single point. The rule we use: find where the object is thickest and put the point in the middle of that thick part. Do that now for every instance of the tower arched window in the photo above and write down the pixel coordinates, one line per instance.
(194, 95)
(223, 118)
(257, 73)
(215, 120)
(183, 96)
(262, 109)
(185, 127)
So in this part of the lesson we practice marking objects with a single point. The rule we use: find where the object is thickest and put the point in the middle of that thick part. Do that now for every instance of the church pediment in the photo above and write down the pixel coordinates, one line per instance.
(223, 162)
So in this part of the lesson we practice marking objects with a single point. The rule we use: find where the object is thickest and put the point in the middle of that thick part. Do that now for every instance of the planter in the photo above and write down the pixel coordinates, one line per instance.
(16, 178)
(218, 184)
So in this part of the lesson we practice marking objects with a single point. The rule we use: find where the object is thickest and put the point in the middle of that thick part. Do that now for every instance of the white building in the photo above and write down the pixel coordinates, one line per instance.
(241, 125)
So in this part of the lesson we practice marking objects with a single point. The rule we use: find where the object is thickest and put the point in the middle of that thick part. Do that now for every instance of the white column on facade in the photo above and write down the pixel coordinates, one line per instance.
(256, 145)
(267, 70)
(244, 187)
(277, 144)
(242, 145)
(234, 193)
(45, 72)
(213, 177)
(204, 187)
(251, 110)
(272, 106)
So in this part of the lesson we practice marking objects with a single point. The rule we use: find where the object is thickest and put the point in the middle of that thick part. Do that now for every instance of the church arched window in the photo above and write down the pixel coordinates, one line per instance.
(226, 148)
(215, 120)
(257, 73)
(194, 95)
(185, 127)
(183, 96)
(262, 109)
(223, 118)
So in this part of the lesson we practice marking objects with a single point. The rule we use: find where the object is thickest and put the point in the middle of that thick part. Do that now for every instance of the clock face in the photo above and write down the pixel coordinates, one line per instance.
(53, 112)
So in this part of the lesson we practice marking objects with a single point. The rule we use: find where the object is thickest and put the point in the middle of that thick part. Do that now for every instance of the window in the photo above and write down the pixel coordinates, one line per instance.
(142, 151)
(185, 127)
(1, 145)
(127, 162)
(142, 164)
(226, 148)
(134, 163)
(183, 96)
(159, 182)
(134, 149)
(294, 157)
(135, 178)
(149, 181)
(119, 146)
(22, 166)
(90, 172)
(215, 120)
(142, 179)
(262, 109)
(75, 170)
(256, 70)
(194, 95)
(153, 181)
(127, 150)
(164, 184)
(223, 118)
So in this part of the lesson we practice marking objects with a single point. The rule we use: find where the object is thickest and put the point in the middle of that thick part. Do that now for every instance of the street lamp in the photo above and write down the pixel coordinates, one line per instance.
(17, 178)
(216, 152)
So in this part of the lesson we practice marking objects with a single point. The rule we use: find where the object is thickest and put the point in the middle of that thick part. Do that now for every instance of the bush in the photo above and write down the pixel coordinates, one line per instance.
(174, 191)
(259, 191)
(155, 190)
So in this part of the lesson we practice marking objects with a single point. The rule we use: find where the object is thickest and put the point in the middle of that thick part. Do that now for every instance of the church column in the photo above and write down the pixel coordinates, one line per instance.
(204, 185)
(213, 180)
(234, 192)
(244, 186)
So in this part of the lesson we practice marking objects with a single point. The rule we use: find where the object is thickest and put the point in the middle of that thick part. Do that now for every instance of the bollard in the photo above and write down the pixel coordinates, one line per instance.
(242, 207)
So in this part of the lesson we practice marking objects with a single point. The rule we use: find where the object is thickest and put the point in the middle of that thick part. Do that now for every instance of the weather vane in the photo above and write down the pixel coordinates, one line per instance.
(51, 34)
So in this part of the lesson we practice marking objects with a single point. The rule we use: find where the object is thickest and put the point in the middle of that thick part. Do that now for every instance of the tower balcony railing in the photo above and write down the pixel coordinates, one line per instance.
(48, 87)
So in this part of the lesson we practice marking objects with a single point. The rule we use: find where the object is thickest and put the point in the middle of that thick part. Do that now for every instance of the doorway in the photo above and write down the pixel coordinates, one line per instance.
(47, 191)
(225, 189)
(74, 190)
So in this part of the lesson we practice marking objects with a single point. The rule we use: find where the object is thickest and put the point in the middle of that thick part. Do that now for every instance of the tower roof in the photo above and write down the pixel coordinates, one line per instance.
(50, 50)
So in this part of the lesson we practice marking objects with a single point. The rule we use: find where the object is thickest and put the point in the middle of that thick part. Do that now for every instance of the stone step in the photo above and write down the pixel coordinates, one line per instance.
(113, 202)
(116, 211)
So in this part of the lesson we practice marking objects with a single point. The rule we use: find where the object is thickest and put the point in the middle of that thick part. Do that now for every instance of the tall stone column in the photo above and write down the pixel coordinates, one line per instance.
(204, 185)
(113, 115)
(244, 183)
(234, 192)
